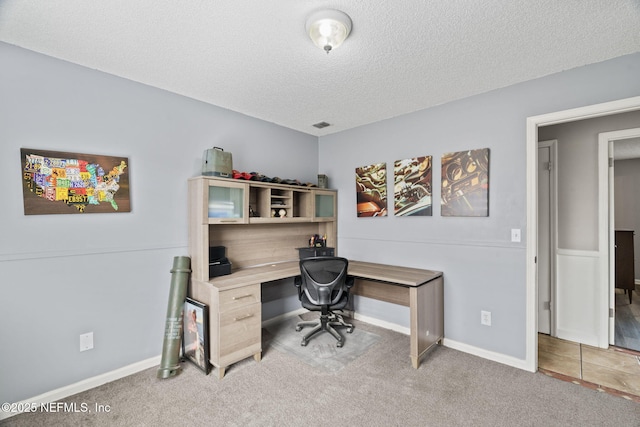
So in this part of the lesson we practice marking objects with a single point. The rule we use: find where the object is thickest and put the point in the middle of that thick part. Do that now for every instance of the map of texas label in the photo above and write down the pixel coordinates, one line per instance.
(75, 182)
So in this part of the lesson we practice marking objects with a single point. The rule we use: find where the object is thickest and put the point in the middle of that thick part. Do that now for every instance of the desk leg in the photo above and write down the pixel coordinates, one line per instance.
(426, 308)
(257, 357)
(221, 371)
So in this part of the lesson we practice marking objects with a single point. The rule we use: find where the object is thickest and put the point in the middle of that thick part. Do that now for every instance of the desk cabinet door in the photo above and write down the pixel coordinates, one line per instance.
(240, 333)
(324, 205)
(227, 203)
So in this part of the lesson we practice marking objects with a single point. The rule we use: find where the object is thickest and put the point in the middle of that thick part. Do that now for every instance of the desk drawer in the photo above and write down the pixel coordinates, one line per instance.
(240, 328)
(239, 297)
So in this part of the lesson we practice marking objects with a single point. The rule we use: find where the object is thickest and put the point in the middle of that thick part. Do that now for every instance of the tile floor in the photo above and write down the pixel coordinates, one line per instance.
(614, 370)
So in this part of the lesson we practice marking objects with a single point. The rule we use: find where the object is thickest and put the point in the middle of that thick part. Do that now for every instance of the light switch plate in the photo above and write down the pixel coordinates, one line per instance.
(515, 234)
(86, 341)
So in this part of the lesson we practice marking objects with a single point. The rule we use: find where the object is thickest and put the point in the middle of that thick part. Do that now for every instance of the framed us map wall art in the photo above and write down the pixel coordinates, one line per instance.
(56, 182)
(465, 183)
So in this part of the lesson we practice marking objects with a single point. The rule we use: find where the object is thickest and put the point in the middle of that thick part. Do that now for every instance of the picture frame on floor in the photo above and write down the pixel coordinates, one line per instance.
(195, 333)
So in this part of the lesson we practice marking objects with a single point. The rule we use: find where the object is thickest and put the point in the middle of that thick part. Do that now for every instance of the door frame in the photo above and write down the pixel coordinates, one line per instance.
(606, 222)
(532, 124)
(553, 231)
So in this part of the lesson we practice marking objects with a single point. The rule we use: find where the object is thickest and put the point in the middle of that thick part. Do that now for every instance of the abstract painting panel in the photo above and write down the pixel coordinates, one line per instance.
(412, 187)
(371, 190)
(465, 183)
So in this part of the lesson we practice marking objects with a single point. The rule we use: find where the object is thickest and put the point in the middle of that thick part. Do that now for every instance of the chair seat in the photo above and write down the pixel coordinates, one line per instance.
(312, 307)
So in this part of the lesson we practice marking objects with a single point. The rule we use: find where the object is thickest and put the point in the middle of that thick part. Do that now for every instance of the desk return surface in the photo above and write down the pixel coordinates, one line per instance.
(235, 316)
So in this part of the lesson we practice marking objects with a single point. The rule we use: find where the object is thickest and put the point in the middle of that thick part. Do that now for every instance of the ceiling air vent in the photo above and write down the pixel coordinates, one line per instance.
(321, 125)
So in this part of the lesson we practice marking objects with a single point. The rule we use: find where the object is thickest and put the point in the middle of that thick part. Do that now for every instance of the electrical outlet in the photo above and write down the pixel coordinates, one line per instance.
(485, 318)
(515, 234)
(86, 341)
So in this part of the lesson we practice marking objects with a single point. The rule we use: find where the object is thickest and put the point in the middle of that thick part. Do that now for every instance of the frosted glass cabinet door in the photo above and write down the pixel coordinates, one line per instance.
(325, 205)
(227, 203)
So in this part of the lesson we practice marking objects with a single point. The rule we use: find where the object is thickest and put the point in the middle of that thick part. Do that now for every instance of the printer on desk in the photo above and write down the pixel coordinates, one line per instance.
(219, 265)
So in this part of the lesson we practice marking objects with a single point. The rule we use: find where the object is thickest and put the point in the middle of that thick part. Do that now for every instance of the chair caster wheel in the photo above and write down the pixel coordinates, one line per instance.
(303, 343)
(298, 328)
(349, 330)
(339, 344)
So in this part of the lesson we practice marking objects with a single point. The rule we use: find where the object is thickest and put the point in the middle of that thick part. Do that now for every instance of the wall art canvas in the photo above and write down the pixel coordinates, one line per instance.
(195, 347)
(56, 182)
(465, 183)
(371, 190)
(412, 187)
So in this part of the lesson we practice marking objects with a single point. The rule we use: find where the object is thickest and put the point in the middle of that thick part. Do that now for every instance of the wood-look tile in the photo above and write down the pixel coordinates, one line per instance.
(614, 370)
(558, 347)
(611, 359)
(560, 364)
(611, 378)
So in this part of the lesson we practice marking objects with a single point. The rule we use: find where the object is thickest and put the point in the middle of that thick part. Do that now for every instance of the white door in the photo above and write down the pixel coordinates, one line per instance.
(546, 236)
(606, 141)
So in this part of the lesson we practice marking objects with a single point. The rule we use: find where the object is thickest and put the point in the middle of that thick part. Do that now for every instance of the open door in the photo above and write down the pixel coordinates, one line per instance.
(606, 157)
(547, 237)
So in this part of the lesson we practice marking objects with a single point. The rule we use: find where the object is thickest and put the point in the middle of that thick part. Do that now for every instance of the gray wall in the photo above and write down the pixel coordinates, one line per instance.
(483, 269)
(109, 273)
(64, 275)
(578, 176)
(627, 202)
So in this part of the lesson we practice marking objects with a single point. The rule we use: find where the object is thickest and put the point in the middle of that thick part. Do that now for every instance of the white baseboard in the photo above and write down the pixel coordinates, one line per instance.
(89, 383)
(476, 351)
(486, 354)
(387, 325)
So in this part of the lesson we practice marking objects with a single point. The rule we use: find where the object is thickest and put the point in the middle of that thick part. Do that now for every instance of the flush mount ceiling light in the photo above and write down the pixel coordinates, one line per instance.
(328, 28)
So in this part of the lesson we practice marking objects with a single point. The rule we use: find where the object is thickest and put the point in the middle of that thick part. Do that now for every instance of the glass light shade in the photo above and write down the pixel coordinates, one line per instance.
(328, 28)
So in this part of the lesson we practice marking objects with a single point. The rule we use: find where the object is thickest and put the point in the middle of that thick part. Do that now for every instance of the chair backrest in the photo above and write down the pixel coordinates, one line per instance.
(324, 279)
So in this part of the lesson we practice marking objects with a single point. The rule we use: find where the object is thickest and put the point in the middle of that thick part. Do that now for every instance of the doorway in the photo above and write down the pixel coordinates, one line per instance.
(599, 110)
(547, 237)
(619, 154)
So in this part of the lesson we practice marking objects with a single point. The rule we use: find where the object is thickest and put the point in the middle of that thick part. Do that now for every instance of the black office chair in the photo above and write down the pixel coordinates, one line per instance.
(323, 285)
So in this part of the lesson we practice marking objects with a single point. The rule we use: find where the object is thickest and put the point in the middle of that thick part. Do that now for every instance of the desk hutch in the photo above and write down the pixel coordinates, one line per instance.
(238, 215)
(263, 248)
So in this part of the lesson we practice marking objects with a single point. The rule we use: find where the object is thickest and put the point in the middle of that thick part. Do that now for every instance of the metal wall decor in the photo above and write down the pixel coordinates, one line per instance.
(371, 190)
(57, 182)
(412, 187)
(465, 183)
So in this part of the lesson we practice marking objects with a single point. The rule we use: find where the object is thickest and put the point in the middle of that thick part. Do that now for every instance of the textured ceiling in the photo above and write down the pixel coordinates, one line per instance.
(253, 56)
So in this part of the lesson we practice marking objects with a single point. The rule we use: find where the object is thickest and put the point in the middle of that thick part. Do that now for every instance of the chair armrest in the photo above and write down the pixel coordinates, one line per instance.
(350, 281)
(297, 281)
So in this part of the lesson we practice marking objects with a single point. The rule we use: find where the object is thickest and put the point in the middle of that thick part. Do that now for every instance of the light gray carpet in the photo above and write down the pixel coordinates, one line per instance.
(321, 350)
(378, 388)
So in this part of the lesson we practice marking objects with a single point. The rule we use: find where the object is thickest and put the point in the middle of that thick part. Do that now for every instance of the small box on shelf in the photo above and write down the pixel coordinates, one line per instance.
(314, 252)
(219, 265)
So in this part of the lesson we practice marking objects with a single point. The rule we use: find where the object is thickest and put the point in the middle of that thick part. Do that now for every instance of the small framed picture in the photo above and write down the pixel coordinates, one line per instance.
(195, 334)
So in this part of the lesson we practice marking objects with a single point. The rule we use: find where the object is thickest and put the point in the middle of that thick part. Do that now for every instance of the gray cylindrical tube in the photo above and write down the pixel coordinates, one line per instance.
(170, 363)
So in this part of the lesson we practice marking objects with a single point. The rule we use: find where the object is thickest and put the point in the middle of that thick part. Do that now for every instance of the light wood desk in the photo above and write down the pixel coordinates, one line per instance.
(235, 316)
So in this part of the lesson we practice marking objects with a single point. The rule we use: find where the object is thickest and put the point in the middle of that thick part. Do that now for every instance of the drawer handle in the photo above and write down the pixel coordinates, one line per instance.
(246, 316)
(242, 296)
(228, 220)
